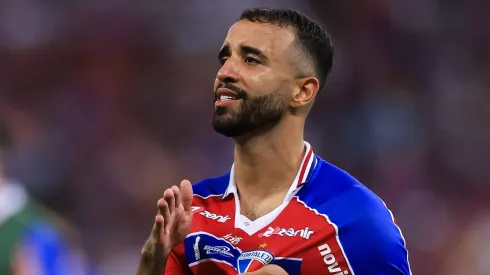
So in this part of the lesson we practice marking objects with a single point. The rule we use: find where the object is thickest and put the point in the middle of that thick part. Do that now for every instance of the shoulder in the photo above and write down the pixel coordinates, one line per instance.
(333, 191)
(215, 186)
(365, 227)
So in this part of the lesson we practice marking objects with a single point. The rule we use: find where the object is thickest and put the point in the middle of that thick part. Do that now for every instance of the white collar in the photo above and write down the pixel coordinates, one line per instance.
(306, 168)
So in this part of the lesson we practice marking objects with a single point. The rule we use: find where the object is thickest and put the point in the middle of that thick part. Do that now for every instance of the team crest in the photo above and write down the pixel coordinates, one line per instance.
(253, 260)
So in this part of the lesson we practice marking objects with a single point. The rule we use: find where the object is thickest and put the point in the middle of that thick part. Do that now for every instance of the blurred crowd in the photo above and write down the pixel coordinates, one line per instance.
(105, 104)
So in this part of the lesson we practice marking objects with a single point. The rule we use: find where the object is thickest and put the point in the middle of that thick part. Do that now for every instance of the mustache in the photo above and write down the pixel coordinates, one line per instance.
(242, 94)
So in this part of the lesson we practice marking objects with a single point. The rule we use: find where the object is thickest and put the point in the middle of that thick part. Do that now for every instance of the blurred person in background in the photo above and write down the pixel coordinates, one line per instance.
(33, 239)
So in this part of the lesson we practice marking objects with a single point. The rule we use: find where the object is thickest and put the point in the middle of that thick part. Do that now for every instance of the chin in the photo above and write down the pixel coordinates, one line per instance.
(227, 110)
(226, 127)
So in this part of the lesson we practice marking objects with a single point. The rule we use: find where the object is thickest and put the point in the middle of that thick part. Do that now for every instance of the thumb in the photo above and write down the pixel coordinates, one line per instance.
(186, 192)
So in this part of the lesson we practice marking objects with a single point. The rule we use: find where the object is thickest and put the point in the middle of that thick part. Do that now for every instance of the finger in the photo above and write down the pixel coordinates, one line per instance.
(165, 212)
(159, 221)
(170, 198)
(160, 204)
(186, 194)
(157, 227)
(178, 199)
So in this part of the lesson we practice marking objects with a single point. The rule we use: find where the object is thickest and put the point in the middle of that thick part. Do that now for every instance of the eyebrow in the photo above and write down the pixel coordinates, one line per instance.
(225, 51)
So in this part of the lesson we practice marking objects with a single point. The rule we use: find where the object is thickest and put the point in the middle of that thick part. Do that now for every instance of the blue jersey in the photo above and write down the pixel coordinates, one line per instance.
(329, 223)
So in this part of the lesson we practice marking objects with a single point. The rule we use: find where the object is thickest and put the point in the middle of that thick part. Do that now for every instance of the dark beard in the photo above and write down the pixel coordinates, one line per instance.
(255, 115)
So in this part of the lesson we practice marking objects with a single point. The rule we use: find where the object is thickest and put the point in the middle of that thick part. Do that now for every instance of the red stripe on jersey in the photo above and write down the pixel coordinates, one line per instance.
(304, 166)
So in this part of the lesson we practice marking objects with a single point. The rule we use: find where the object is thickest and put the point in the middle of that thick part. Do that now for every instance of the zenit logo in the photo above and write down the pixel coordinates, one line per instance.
(200, 210)
(303, 233)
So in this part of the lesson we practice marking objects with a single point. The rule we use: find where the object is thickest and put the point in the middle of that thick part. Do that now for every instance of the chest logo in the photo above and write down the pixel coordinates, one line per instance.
(253, 260)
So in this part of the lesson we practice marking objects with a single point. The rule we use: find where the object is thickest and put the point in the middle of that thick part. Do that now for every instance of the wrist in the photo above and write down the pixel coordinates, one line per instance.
(152, 263)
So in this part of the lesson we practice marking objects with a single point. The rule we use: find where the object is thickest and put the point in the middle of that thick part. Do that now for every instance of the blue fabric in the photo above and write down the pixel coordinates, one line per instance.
(372, 242)
(52, 250)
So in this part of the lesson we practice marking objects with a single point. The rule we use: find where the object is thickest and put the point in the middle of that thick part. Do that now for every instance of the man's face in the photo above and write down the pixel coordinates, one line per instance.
(252, 88)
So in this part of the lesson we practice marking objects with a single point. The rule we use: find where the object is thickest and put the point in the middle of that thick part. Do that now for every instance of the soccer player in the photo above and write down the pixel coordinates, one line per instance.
(281, 209)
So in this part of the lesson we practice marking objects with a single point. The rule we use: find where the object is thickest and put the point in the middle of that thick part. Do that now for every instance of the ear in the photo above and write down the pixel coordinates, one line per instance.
(305, 91)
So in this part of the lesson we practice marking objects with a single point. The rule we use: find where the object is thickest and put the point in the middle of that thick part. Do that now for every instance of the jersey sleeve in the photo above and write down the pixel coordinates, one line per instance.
(372, 245)
(177, 263)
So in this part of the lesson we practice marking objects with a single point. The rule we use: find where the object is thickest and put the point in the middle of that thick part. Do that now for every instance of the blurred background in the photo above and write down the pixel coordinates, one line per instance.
(104, 104)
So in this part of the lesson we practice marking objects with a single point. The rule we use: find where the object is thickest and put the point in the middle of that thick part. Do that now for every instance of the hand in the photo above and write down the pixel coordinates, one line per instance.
(171, 226)
(271, 269)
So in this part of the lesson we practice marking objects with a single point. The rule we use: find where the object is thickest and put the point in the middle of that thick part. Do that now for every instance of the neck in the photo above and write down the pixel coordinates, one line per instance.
(267, 164)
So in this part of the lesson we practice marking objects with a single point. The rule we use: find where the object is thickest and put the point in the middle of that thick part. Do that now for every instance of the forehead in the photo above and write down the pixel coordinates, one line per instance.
(272, 40)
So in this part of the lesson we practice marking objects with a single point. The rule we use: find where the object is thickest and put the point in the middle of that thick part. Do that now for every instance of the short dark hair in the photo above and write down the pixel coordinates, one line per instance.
(314, 40)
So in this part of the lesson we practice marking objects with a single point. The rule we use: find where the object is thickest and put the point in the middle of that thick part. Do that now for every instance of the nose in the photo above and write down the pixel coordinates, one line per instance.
(228, 72)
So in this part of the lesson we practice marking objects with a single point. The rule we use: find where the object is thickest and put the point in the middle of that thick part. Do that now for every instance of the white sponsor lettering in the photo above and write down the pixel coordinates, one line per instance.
(222, 250)
(196, 249)
(200, 210)
(330, 261)
(303, 233)
(234, 240)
